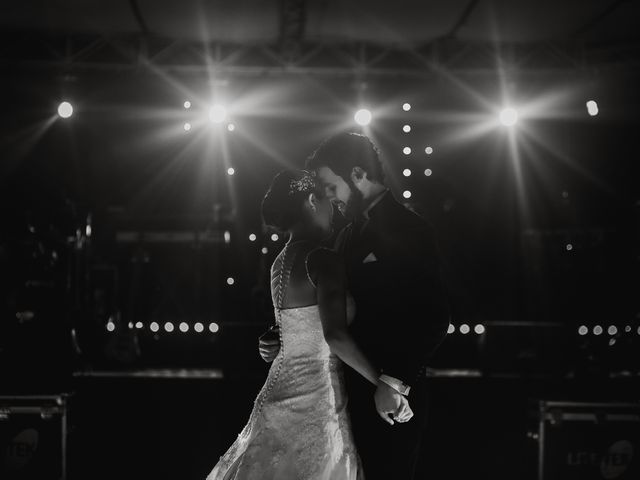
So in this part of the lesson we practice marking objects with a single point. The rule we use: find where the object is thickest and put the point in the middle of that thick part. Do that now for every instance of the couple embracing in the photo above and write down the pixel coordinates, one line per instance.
(346, 394)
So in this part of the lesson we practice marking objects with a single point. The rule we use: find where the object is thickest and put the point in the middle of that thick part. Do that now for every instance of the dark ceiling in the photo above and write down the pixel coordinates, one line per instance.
(405, 22)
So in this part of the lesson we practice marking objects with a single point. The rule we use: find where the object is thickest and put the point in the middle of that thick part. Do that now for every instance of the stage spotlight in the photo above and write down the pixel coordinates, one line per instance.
(464, 329)
(214, 327)
(362, 117)
(154, 327)
(187, 127)
(592, 108)
(227, 237)
(198, 327)
(428, 172)
(274, 237)
(230, 281)
(428, 150)
(65, 110)
(612, 330)
(130, 325)
(406, 107)
(252, 237)
(184, 327)
(627, 328)
(406, 194)
(187, 104)
(597, 330)
(217, 114)
(508, 117)
(406, 150)
(111, 326)
(451, 329)
(168, 327)
(583, 330)
(406, 172)
(139, 325)
(231, 171)
(479, 329)
(265, 250)
(406, 128)
(231, 127)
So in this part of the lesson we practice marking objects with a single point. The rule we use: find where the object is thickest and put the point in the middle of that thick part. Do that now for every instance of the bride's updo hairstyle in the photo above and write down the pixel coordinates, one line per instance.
(283, 204)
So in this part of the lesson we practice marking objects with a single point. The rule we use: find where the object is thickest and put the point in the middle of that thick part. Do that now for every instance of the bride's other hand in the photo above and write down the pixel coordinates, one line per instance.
(269, 344)
(389, 402)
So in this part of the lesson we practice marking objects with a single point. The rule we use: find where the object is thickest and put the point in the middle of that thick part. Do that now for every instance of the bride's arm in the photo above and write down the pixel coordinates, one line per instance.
(328, 272)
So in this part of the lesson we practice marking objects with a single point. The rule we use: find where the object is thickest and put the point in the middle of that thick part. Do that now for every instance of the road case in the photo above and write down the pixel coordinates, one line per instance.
(33, 437)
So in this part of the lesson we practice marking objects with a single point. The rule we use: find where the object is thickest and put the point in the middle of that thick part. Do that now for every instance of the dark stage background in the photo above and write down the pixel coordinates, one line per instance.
(120, 227)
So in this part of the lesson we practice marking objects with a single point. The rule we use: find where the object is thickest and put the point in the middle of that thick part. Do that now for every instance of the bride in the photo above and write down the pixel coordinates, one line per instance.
(299, 428)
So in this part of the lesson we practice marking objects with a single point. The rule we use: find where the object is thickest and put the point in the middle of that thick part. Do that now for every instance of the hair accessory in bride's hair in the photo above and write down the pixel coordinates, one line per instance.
(305, 184)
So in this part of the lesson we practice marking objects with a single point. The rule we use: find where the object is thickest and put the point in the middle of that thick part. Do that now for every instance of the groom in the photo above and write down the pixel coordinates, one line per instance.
(392, 268)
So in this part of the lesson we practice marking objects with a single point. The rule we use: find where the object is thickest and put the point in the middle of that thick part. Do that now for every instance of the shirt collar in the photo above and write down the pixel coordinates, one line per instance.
(375, 202)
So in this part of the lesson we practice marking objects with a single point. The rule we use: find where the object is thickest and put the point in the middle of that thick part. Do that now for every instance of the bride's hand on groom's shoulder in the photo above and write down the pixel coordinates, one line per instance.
(391, 405)
(269, 344)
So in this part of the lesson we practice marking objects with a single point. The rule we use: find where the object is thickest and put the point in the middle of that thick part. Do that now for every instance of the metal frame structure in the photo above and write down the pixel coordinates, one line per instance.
(294, 56)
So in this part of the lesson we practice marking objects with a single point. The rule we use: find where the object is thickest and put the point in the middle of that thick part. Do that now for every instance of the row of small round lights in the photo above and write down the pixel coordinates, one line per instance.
(464, 329)
(599, 330)
(407, 172)
(169, 327)
(187, 127)
(218, 114)
(407, 150)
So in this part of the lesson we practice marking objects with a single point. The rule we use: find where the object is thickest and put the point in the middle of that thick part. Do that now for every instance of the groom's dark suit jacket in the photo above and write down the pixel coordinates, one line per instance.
(392, 267)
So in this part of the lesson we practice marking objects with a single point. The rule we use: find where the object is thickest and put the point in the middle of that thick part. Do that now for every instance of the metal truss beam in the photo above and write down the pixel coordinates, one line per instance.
(139, 53)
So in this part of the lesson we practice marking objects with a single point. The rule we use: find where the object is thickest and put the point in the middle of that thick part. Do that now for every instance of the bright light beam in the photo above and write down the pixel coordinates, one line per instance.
(65, 110)
(509, 116)
(592, 108)
(362, 117)
(217, 113)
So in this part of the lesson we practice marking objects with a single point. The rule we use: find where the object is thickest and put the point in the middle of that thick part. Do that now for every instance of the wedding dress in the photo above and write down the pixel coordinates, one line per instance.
(299, 428)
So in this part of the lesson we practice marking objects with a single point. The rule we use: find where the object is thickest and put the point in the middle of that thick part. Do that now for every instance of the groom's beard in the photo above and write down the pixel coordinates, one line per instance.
(354, 206)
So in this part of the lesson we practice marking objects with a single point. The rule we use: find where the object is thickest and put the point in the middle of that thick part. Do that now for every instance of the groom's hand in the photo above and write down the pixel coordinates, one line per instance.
(269, 344)
(390, 402)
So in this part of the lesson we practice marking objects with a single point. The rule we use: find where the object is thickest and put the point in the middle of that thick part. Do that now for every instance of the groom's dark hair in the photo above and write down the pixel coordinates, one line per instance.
(344, 151)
